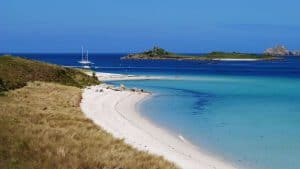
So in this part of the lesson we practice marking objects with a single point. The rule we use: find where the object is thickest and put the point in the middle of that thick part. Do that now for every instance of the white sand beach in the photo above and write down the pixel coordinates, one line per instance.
(229, 59)
(116, 77)
(117, 113)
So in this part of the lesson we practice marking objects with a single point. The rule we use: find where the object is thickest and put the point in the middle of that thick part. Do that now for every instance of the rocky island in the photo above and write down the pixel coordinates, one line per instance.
(161, 54)
(281, 50)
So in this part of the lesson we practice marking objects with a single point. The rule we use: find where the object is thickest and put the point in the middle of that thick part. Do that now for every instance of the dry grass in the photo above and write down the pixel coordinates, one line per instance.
(41, 126)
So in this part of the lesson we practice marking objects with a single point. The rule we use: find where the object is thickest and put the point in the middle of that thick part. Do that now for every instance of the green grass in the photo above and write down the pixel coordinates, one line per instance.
(234, 55)
(157, 51)
(15, 72)
(42, 126)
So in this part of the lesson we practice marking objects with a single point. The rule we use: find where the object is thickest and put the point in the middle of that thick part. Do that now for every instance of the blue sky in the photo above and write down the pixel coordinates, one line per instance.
(135, 25)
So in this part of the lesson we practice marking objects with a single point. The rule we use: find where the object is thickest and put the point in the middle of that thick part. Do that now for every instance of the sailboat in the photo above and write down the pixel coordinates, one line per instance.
(85, 59)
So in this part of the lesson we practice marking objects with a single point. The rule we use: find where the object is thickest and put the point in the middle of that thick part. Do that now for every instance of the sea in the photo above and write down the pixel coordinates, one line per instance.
(246, 113)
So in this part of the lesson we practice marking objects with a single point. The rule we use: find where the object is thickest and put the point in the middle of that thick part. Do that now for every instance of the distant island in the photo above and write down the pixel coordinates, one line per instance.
(161, 54)
(281, 50)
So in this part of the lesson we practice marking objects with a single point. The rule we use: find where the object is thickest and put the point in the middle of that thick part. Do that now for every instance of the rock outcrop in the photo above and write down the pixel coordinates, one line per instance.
(281, 50)
(296, 53)
(278, 51)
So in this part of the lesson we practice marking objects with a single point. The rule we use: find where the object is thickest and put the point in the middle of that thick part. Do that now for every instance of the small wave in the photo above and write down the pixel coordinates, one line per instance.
(181, 138)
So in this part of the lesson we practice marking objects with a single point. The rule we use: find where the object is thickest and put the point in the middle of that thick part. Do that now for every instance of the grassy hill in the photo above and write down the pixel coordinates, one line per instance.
(15, 72)
(42, 126)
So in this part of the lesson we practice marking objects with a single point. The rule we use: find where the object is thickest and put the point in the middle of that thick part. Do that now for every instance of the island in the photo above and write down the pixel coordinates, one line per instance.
(158, 53)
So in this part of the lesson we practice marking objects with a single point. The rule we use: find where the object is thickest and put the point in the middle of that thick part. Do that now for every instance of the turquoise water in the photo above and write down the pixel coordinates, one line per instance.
(247, 113)
(253, 122)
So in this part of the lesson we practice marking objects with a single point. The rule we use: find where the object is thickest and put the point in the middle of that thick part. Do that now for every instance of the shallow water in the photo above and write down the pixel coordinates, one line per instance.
(245, 112)
(253, 122)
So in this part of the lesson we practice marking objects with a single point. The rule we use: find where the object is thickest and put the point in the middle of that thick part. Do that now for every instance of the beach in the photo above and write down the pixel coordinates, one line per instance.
(150, 84)
(236, 60)
(117, 113)
(117, 77)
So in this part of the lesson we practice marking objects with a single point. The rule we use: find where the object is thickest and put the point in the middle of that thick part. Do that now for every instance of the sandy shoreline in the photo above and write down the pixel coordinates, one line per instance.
(116, 112)
(229, 59)
(117, 77)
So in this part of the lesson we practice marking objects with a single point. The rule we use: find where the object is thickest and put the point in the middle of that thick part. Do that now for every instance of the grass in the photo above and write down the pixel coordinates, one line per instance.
(42, 126)
(15, 72)
(234, 55)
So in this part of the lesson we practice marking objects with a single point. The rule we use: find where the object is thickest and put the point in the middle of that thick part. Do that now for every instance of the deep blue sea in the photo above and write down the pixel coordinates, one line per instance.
(247, 113)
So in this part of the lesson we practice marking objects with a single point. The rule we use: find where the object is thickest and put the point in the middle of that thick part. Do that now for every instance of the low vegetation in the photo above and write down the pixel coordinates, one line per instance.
(161, 54)
(42, 126)
(234, 55)
(15, 72)
(156, 51)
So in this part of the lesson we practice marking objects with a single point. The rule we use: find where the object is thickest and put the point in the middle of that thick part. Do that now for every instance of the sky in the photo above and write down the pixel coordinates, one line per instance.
(113, 26)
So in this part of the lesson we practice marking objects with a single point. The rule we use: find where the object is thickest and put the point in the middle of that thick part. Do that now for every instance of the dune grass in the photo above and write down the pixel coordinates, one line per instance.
(15, 72)
(42, 126)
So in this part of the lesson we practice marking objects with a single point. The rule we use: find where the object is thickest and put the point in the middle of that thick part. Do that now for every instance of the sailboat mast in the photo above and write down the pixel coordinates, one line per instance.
(87, 55)
(81, 52)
